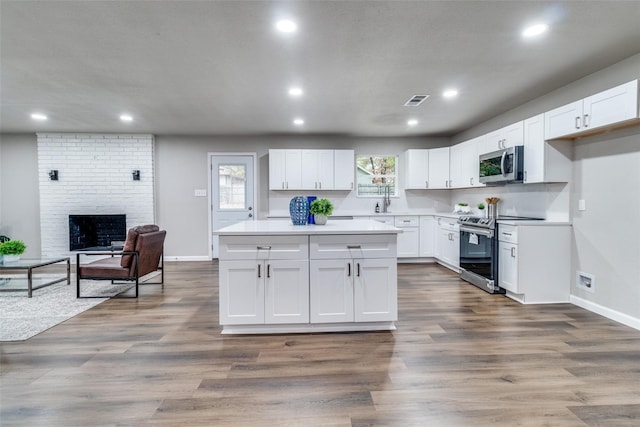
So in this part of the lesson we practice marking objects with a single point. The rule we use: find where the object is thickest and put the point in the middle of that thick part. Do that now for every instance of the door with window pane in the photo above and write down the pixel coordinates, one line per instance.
(232, 192)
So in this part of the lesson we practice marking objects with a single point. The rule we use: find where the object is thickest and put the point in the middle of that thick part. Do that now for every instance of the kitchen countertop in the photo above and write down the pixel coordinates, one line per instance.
(279, 227)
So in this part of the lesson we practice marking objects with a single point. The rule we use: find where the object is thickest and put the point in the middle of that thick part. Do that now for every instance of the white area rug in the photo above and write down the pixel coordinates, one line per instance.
(21, 317)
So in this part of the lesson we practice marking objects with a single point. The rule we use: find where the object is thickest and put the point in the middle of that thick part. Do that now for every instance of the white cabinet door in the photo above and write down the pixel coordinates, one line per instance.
(611, 106)
(417, 169)
(426, 236)
(277, 169)
(293, 169)
(287, 291)
(409, 242)
(241, 292)
(454, 249)
(563, 120)
(534, 149)
(464, 165)
(344, 169)
(508, 266)
(457, 174)
(439, 168)
(508, 136)
(331, 290)
(375, 290)
(317, 169)
(447, 243)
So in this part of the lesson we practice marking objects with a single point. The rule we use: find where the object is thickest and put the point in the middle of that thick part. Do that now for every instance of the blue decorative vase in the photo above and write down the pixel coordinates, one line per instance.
(311, 219)
(299, 210)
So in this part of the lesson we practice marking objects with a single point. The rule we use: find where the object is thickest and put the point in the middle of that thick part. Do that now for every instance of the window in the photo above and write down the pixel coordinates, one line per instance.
(232, 179)
(374, 174)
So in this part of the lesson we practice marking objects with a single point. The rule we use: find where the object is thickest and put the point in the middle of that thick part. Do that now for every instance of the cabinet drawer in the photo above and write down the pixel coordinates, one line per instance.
(507, 233)
(263, 247)
(353, 246)
(407, 221)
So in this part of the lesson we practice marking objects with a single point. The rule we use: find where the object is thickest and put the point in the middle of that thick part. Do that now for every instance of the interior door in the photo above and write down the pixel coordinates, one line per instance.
(232, 192)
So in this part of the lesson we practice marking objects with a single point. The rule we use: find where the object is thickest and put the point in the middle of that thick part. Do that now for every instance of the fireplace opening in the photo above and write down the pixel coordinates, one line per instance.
(96, 231)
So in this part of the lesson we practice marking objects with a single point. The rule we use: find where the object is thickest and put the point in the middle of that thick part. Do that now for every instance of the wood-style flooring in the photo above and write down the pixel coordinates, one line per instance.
(460, 357)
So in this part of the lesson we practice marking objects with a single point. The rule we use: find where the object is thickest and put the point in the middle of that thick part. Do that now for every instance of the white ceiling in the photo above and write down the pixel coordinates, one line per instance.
(218, 67)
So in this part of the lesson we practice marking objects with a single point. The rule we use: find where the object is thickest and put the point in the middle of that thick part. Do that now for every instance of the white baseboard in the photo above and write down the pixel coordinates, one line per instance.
(625, 319)
(187, 258)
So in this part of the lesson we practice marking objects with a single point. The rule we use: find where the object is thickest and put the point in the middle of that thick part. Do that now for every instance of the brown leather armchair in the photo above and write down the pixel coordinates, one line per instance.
(142, 254)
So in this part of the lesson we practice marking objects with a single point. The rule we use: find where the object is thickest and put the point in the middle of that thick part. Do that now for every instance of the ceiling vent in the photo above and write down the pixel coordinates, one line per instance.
(415, 100)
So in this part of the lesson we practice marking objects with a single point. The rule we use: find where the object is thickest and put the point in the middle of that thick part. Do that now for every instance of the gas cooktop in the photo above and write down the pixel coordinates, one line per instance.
(476, 221)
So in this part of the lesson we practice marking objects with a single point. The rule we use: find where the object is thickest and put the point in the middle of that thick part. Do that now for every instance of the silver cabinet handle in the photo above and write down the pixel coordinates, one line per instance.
(263, 248)
(320, 185)
(406, 220)
(354, 246)
(259, 270)
(585, 120)
(283, 185)
(358, 273)
(577, 122)
(269, 270)
(513, 252)
(471, 181)
(426, 184)
(348, 269)
(504, 233)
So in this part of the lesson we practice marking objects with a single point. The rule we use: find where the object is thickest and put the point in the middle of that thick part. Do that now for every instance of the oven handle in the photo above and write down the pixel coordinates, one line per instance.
(479, 231)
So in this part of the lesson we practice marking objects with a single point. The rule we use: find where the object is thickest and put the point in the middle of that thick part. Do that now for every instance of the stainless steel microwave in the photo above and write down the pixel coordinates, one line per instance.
(502, 166)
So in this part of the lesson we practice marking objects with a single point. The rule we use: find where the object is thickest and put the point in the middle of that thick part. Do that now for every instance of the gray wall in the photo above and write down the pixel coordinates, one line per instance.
(181, 167)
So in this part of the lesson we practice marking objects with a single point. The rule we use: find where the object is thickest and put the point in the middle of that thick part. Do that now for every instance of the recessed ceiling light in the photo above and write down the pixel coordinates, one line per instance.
(295, 91)
(298, 122)
(286, 26)
(412, 122)
(535, 30)
(126, 118)
(38, 116)
(450, 93)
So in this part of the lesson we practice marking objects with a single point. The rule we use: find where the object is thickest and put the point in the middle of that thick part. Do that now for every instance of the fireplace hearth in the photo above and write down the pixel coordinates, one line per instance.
(96, 231)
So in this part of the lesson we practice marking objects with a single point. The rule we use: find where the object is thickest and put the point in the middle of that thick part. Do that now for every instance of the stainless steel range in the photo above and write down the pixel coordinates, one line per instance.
(479, 253)
(479, 250)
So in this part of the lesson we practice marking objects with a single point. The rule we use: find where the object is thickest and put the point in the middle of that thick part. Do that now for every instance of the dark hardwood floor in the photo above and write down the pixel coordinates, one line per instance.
(460, 357)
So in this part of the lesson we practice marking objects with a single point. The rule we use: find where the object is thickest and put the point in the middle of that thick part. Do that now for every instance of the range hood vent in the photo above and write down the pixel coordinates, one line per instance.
(416, 100)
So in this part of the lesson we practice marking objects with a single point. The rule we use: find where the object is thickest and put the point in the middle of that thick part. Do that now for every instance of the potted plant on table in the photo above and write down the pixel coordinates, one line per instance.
(321, 209)
(11, 250)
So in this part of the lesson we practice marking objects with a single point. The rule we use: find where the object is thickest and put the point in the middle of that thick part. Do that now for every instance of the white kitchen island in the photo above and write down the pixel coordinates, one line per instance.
(279, 278)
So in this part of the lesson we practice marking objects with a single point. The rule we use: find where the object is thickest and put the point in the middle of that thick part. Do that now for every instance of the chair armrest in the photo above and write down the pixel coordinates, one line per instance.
(103, 253)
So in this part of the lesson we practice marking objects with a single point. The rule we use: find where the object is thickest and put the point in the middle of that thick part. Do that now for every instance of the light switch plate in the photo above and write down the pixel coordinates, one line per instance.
(582, 205)
(200, 193)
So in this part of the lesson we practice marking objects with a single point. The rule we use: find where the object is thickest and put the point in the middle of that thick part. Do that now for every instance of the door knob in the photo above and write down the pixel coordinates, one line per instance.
(250, 208)
(250, 215)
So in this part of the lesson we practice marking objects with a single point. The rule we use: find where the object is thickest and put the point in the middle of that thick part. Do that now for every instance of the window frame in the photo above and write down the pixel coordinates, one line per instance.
(394, 176)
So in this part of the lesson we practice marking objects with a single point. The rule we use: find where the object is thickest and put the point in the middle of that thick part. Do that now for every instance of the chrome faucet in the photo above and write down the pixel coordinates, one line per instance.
(387, 200)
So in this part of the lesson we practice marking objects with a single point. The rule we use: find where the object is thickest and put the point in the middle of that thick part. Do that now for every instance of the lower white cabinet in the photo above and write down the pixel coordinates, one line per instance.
(426, 236)
(534, 262)
(353, 290)
(447, 242)
(409, 239)
(264, 291)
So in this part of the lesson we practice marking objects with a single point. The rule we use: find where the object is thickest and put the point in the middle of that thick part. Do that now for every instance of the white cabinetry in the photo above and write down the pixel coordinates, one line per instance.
(426, 236)
(353, 278)
(508, 136)
(534, 262)
(447, 242)
(291, 169)
(285, 169)
(610, 107)
(544, 161)
(264, 279)
(439, 168)
(417, 169)
(464, 165)
(409, 239)
(317, 169)
(344, 169)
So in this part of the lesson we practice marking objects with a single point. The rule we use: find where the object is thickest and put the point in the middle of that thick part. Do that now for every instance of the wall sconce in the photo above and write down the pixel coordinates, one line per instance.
(136, 175)
(53, 175)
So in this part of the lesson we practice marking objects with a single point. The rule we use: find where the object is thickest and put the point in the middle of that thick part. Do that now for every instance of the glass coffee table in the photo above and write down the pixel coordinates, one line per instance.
(30, 283)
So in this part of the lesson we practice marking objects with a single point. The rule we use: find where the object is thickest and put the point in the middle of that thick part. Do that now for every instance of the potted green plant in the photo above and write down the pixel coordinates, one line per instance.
(462, 208)
(481, 208)
(11, 250)
(321, 209)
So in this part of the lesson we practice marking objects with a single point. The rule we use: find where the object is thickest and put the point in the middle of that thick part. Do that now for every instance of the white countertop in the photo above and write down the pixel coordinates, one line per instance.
(532, 222)
(276, 227)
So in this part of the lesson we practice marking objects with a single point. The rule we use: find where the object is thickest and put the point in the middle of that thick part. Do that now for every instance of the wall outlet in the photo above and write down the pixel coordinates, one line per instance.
(200, 193)
(585, 281)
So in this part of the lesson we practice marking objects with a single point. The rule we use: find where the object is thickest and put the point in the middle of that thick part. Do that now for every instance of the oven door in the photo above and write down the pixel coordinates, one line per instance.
(478, 251)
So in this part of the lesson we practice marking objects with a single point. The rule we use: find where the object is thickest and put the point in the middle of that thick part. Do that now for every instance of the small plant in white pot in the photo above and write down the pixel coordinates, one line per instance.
(11, 250)
(321, 209)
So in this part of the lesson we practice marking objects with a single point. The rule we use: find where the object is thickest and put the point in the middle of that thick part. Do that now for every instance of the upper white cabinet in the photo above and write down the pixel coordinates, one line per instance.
(344, 169)
(463, 164)
(417, 169)
(544, 161)
(439, 168)
(610, 107)
(285, 169)
(291, 169)
(317, 169)
(508, 136)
